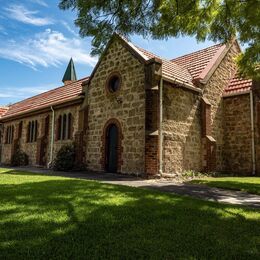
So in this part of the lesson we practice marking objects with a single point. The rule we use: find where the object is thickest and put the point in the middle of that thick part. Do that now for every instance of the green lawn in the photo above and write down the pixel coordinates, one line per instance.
(248, 184)
(45, 217)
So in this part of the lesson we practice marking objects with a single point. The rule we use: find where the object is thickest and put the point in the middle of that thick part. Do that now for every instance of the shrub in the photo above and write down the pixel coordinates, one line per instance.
(65, 159)
(19, 158)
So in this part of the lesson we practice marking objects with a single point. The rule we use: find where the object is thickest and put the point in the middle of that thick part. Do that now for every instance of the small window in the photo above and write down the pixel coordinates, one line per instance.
(114, 83)
(32, 133)
(9, 135)
(65, 127)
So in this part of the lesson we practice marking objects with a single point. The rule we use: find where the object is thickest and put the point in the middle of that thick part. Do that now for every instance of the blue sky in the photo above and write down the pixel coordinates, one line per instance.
(37, 40)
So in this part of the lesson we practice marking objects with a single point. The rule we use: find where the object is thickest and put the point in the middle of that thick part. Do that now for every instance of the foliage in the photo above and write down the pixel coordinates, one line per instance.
(217, 20)
(65, 159)
(49, 217)
(248, 184)
(19, 158)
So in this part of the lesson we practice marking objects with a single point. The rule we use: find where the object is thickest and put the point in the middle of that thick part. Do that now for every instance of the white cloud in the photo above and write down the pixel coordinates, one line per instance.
(66, 25)
(25, 92)
(49, 48)
(5, 95)
(22, 14)
(40, 2)
(2, 30)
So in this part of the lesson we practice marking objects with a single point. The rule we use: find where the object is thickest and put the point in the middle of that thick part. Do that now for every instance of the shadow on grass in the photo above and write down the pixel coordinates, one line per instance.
(82, 174)
(253, 188)
(68, 219)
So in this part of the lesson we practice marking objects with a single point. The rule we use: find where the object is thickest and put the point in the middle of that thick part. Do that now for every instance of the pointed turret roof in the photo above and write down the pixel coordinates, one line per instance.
(70, 73)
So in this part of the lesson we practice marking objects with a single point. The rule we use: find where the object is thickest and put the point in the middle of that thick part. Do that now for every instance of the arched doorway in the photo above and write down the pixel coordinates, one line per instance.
(112, 148)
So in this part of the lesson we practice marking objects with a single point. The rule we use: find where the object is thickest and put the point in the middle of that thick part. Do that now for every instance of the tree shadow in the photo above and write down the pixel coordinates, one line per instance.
(75, 219)
(89, 175)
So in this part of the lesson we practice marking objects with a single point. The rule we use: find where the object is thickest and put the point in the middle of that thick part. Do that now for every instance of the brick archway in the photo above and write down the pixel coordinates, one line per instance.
(103, 160)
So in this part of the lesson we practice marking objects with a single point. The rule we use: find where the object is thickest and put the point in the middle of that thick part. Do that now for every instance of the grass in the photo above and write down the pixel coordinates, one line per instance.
(247, 184)
(47, 217)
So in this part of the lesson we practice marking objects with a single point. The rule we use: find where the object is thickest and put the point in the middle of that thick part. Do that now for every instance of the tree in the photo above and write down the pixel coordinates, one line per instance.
(217, 20)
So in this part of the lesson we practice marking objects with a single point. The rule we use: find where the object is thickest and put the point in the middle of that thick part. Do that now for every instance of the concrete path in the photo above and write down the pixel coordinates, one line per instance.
(193, 190)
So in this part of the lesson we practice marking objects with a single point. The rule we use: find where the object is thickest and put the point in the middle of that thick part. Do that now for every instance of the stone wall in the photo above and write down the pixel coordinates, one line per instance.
(213, 92)
(183, 121)
(31, 148)
(127, 106)
(237, 152)
(181, 130)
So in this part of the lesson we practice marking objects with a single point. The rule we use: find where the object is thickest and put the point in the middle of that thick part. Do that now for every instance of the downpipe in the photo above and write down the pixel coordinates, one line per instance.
(52, 138)
(160, 128)
(252, 131)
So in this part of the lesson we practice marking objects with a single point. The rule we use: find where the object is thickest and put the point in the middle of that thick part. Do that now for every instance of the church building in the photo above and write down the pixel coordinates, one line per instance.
(140, 114)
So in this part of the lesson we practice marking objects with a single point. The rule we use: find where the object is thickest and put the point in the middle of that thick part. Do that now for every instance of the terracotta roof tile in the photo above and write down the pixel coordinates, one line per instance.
(169, 68)
(49, 98)
(197, 62)
(3, 110)
(238, 85)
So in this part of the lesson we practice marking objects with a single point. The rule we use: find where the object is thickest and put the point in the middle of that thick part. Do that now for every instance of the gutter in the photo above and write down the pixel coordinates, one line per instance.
(182, 84)
(52, 138)
(160, 128)
(43, 108)
(236, 93)
(252, 131)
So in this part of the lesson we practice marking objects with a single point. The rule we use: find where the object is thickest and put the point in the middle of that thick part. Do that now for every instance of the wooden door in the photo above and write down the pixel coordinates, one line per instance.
(112, 148)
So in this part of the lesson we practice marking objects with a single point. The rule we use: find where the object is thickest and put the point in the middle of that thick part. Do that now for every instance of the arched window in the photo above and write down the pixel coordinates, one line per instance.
(9, 135)
(32, 132)
(64, 127)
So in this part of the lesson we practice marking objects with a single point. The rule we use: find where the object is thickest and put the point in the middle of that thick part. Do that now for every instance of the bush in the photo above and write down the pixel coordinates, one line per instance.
(19, 158)
(65, 159)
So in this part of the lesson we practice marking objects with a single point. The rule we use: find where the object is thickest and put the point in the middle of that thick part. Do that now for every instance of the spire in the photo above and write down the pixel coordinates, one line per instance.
(70, 73)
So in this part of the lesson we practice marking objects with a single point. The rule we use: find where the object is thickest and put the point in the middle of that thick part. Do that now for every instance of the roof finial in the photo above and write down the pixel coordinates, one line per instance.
(70, 73)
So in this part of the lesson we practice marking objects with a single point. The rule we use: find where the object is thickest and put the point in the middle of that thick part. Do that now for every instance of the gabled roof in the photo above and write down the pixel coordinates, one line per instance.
(53, 97)
(200, 62)
(70, 73)
(182, 70)
(238, 85)
(169, 68)
(3, 110)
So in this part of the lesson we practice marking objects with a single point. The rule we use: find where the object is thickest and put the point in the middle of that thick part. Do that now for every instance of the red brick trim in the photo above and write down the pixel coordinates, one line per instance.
(153, 74)
(151, 155)
(57, 128)
(20, 130)
(209, 155)
(42, 142)
(71, 126)
(151, 127)
(258, 117)
(205, 117)
(103, 160)
(112, 74)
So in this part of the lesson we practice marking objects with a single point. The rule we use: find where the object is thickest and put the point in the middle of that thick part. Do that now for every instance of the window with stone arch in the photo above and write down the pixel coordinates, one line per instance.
(9, 134)
(64, 129)
(32, 131)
